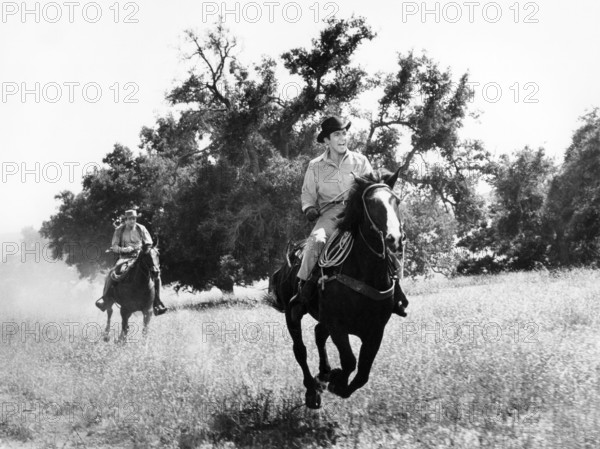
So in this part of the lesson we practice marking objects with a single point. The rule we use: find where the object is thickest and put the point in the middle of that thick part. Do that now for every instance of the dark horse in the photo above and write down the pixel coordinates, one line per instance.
(372, 217)
(135, 292)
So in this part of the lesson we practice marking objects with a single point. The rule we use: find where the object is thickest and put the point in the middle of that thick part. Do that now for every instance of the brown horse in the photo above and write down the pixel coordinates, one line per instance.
(135, 292)
(357, 301)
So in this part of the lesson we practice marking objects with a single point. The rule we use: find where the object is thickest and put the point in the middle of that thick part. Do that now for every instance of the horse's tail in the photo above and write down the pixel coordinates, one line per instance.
(271, 298)
(282, 282)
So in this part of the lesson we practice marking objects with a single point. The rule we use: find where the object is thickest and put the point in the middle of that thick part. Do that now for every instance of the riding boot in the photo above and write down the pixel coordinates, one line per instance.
(300, 301)
(400, 300)
(105, 300)
(159, 307)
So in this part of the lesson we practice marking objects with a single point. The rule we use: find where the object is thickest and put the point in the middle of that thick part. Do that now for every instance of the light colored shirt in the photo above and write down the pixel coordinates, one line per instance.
(326, 181)
(134, 237)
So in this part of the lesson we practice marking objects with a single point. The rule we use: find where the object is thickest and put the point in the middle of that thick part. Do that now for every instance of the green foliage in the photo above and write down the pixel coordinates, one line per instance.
(515, 236)
(573, 212)
(431, 231)
(521, 186)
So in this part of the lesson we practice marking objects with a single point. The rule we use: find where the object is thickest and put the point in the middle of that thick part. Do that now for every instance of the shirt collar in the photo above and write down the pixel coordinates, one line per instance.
(326, 158)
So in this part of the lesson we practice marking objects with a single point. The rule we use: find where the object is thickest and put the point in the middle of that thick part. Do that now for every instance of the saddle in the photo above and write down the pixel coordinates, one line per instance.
(120, 270)
(337, 248)
(333, 255)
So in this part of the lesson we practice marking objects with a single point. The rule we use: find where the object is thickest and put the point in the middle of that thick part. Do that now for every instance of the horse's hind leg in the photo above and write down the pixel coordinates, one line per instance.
(312, 397)
(109, 313)
(338, 379)
(368, 351)
(321, 336)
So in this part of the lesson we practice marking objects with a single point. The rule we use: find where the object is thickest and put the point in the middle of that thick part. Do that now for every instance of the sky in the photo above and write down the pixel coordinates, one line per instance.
(78, 77)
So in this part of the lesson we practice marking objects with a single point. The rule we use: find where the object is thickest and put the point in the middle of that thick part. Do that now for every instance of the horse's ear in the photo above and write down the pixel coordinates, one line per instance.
(391, 181)
(156, 244)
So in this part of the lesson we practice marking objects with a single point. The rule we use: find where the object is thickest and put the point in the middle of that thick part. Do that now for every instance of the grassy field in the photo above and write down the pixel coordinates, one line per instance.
(507, 361)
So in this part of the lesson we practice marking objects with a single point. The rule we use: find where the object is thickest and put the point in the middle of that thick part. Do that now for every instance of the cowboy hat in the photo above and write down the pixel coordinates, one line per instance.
(331, 125)
(131, 213)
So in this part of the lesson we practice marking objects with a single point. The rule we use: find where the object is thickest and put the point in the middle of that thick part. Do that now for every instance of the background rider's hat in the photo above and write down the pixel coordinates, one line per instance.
(131, 213)
(330, 125)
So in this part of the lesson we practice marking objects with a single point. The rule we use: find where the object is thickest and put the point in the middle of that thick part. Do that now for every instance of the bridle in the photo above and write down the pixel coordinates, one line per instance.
(373, 226)
(334, 255)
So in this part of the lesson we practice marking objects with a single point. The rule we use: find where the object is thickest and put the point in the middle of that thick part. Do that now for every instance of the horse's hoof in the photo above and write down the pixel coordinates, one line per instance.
(335, 376)
(313, 400)
(159, 310)
(332, 388)
(324, 377)
(338, 383)
(321, 381)
(106, 338)
(338, 390)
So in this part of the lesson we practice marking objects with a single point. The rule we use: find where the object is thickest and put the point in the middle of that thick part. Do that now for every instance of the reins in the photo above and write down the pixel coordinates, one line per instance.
(335, 255)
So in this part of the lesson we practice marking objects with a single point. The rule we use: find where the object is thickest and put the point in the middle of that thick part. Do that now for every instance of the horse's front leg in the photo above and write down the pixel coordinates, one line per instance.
(109, 313)
(338, 378)
(312, 397)
(368, 351)
(125, 314)
(321, 336)
(147, 317)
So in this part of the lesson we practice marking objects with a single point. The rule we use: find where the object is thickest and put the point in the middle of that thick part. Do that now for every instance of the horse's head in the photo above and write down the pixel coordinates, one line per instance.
(149, 258)
(374, 206)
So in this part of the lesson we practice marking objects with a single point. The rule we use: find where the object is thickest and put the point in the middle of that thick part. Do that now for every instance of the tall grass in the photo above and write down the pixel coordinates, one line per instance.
(507, 361)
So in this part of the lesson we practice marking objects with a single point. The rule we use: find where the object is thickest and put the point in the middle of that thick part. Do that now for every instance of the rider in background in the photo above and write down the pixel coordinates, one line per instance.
(127, 242)
(327, 184)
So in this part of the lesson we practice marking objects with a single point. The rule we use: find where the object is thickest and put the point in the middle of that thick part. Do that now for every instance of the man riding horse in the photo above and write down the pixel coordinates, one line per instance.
(327, 183)
(127, 242)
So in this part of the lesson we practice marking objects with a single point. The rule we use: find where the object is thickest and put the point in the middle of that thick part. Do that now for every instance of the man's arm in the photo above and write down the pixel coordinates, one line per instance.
(146, 237)
(309, 189)
(115, 240)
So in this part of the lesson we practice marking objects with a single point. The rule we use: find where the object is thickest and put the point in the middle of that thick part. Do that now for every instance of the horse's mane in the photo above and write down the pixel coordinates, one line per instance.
(353, 213)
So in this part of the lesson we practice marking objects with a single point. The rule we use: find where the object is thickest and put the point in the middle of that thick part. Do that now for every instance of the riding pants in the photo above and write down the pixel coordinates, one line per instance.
(108, 282)
(324, 227)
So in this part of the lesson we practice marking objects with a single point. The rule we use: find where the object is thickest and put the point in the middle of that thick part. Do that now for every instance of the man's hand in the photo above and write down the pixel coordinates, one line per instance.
(126, 250)
(311, 213)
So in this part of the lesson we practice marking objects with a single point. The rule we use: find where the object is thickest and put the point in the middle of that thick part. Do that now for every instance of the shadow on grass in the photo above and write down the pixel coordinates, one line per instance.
(261, 423)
